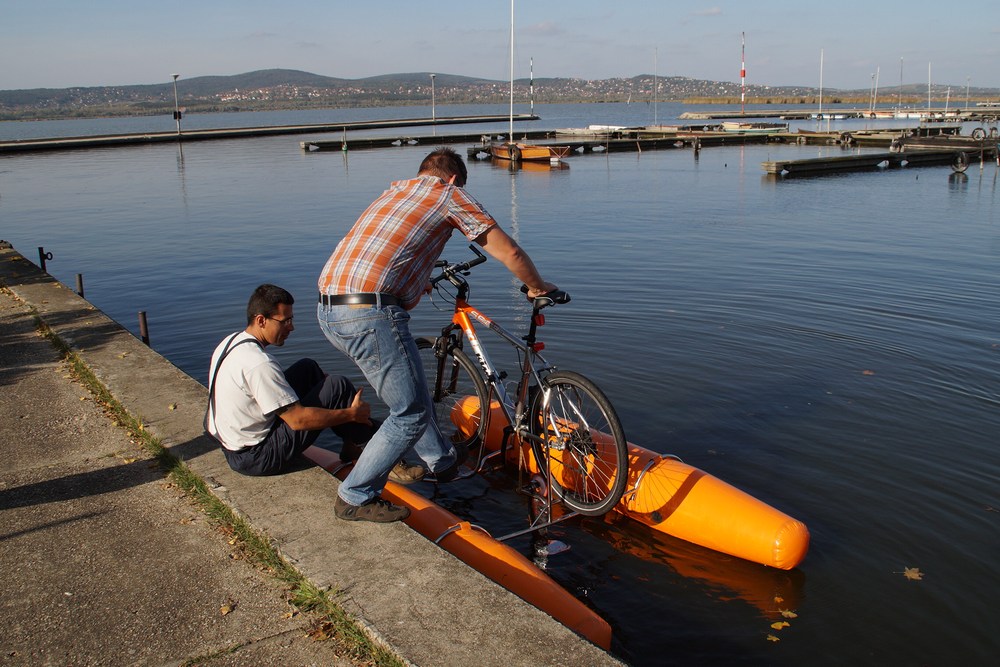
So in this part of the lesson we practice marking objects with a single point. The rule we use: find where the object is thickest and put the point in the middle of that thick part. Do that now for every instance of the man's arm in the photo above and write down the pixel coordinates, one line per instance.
(503, 248)
(303, 418)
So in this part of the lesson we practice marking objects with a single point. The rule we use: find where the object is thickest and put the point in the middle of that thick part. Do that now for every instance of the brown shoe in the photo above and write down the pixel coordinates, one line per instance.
(375, 510)
(404, 473)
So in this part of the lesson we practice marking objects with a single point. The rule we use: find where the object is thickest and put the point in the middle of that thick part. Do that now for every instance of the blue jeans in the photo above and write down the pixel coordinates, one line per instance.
(378, 339)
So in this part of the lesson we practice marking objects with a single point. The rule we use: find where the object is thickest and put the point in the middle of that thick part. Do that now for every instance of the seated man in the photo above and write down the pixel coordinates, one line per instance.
(265, 417)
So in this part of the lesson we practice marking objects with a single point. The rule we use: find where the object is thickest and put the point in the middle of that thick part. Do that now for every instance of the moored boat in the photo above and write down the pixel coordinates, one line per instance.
(522, 152)
(753, 128)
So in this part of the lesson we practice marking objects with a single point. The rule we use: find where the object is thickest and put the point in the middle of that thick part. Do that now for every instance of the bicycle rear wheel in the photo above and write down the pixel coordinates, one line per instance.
(583, 446)
(452, 383)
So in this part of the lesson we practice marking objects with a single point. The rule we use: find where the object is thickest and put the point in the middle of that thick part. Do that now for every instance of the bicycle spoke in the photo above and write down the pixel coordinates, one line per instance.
(584, 443)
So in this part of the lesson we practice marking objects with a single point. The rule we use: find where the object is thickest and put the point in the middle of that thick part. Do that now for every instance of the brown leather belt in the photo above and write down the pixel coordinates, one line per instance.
(358, 299)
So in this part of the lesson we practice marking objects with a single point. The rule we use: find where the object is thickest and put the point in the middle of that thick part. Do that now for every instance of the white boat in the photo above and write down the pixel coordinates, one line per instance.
(743, 127)
(591, 130)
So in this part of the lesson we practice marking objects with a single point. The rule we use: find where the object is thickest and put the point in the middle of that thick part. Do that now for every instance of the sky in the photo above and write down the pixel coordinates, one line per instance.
(840, 45)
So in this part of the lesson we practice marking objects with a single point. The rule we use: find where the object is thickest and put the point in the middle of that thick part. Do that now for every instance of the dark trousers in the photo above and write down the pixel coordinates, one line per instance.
(283, 445)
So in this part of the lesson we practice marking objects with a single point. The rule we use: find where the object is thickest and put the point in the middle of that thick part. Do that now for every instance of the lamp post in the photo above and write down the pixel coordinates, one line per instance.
(177, 111)
(967, 79)
(433, 107)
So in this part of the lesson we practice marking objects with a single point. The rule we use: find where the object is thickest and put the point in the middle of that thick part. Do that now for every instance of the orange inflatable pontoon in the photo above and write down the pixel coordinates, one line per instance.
(475, 547)
(680, 500)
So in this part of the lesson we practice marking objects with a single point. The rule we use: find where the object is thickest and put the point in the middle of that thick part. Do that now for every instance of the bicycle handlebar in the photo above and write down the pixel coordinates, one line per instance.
(451, 272)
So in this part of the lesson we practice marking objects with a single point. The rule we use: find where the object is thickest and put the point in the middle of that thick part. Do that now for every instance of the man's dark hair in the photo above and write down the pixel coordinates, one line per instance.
(265, 299)
(445, 163)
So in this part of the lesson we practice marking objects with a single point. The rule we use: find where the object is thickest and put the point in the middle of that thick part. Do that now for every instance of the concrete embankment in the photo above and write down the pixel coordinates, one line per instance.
(100, 567)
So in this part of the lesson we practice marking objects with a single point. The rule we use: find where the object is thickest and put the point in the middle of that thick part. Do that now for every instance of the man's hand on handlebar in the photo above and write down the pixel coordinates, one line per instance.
(533, 293)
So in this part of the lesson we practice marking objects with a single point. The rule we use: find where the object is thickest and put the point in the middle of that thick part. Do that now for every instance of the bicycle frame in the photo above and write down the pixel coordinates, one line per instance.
(463, 320)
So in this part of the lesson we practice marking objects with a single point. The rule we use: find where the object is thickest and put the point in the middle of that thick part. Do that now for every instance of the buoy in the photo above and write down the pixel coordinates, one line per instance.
(961, 162)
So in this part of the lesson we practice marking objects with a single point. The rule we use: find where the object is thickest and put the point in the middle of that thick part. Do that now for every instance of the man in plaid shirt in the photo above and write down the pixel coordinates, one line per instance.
(379, 272)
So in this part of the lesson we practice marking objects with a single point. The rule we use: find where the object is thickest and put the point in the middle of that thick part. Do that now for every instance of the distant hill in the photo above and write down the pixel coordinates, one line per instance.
(293, 89)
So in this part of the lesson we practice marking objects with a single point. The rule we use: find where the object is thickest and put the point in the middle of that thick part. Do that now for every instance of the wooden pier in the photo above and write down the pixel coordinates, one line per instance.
(869, 161)
(979, 114)
(101, 141)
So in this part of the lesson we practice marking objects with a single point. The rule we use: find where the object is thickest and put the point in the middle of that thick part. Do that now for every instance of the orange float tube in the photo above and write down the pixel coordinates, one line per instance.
(680, 500)
(475, 547)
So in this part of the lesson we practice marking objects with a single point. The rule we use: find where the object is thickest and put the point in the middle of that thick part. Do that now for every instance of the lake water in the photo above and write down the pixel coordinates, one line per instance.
(829, 345)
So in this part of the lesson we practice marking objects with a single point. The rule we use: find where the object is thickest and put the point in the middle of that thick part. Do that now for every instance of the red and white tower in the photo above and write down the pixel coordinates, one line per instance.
(743, 73)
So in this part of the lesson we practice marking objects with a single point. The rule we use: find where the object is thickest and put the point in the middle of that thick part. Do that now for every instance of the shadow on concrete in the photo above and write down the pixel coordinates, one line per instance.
(81, 485)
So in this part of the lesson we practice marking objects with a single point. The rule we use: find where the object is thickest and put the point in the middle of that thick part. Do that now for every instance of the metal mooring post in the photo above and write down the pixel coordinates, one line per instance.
(143, 329)
(42, 256)
(79, 284)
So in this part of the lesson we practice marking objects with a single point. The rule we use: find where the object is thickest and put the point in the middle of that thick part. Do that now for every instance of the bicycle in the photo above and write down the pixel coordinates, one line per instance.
(566, 430)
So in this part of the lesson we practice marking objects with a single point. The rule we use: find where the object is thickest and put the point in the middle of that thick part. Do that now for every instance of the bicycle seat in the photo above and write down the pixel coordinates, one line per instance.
(547, 299)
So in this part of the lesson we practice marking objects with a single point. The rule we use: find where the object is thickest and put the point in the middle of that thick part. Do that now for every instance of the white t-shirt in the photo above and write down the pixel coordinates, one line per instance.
(249, 389)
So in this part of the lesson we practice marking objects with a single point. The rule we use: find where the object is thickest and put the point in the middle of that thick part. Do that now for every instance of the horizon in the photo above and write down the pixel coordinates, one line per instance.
(919, 85)
(61, 44)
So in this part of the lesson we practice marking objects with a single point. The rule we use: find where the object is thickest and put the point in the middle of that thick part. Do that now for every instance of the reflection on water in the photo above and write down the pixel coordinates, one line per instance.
(828, 345)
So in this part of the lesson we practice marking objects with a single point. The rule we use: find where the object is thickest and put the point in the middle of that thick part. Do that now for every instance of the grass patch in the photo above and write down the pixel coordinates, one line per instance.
(331, 621)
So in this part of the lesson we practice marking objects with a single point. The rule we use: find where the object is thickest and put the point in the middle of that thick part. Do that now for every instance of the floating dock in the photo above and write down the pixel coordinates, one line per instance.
(101, 141)
(867, 161)
(984, 114)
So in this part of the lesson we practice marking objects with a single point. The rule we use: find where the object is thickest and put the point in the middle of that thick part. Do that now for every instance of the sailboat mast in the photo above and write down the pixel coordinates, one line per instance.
(821, 84)
(511, 134)
(875, 96)
(928, 88)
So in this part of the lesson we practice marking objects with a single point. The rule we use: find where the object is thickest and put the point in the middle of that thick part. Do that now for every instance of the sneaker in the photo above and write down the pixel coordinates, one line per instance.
(404, 473)
(451, 472)
(375, 510)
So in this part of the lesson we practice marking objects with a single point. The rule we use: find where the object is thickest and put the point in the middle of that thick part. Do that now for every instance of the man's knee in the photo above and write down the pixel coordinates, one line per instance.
(305, 370)
(336, 392)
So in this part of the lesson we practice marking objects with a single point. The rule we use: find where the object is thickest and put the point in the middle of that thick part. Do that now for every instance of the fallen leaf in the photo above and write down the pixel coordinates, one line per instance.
(778, 625)
(788, 614)
(227, 608)
(322, 631)
(172, 406)
(913, 573)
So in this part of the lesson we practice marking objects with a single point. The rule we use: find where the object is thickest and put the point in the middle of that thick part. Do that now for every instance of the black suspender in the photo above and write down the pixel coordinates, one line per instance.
(215, 375)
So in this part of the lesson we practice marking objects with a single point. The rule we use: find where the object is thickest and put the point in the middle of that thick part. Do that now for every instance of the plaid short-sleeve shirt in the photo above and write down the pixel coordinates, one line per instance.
(394, 244)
